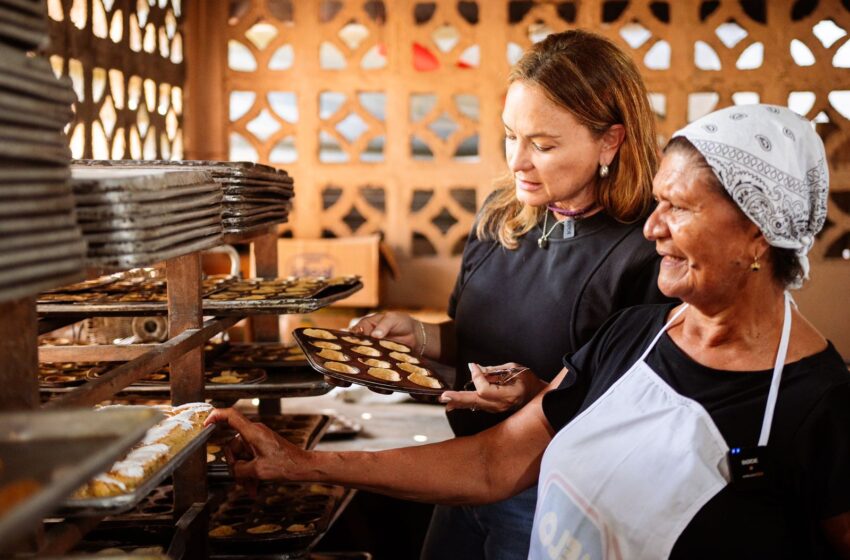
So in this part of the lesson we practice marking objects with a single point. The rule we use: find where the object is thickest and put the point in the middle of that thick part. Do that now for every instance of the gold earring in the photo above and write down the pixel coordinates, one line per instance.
(756, 264)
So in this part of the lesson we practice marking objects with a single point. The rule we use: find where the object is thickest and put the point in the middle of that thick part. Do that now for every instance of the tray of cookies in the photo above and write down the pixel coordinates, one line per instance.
(373, 362)
(162, 449)
(262, 354)
(280, 517)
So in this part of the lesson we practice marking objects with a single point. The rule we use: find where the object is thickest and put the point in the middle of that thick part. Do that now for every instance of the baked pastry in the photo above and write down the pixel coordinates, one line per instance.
(410, 368)
(393, 345)
(319, 333)
(341, 368)
(355, 340)
(160, 443)
(333, 355)
(325, 344)
(402, 357)
(372, 362)
(384, 373)
(424, 380)
(222, 531)
(366, 350)
(264, 529)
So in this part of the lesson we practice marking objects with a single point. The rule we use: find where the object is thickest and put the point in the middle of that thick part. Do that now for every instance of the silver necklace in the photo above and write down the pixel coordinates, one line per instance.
(569, 230)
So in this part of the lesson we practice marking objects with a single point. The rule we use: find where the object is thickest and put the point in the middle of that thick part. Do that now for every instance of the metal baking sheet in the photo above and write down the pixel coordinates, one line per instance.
(33, 287)
(29, 152)
(26, 38)
(12, 173)
(241, 210)
(261, 354)
(35, 80)
(242, 226)
(35, 190)
(17, 109)
(218, 169)
(153, 222)
(253, 200)
(136, 260)
(222, 308)
(125, 197)
(117, 504)
(87, 180)
(37, 206)
(30, 6)
(355, 359)
(150, 245)
(71, 259)
(11, 241)
(145, 234)
(44, 253)
(47, 138)
(36, 224)
(109, 211)
(61, 450)
(29, 20)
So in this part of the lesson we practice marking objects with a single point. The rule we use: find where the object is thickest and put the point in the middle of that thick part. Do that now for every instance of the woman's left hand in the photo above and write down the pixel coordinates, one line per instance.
(489, 396)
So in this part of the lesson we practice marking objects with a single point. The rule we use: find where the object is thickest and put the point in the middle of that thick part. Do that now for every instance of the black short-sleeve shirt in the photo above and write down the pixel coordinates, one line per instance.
(531, 305)
(809, 445)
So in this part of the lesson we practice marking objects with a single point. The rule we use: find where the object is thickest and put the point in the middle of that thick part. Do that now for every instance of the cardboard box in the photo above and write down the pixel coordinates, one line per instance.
(366, 257)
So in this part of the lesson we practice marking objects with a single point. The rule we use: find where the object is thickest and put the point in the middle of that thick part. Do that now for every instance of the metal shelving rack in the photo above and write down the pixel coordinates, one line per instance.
(183, 351)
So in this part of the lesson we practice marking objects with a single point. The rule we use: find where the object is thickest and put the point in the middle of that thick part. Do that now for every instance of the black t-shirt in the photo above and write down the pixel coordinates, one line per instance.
(532, 305)
(809, 445)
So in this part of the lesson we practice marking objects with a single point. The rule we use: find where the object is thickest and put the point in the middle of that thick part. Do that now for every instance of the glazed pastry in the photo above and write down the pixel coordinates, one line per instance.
(402, 357)
(366, 350)
(372, 362)
(384, 373)
(327, 345)
(341, 368)
(424, 380)
(319, 333)
(333, 355)
(355, 340)
(394, 345)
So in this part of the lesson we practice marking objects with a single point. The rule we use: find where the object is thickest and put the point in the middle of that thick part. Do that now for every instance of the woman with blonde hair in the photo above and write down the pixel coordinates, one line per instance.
(556, 249)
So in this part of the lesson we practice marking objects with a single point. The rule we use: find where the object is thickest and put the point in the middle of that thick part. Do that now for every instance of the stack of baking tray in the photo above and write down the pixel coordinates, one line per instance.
(255, 195)
(40, 243)
(23, 24)
(136, 217)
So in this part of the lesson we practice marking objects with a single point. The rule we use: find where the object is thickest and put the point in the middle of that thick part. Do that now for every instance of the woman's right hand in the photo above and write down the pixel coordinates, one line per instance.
(397, 326)
(257, 452)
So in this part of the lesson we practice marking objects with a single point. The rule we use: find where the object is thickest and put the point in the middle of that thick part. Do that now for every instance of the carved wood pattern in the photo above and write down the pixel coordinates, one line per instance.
(695, 56)
(125, 58)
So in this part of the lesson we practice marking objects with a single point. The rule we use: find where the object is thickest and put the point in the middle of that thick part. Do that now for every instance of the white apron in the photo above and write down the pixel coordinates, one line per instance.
(625, 477)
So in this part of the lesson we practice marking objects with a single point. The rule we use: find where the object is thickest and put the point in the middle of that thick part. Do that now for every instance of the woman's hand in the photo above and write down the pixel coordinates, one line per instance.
(397, 326)
(257, 452)
(489, 396)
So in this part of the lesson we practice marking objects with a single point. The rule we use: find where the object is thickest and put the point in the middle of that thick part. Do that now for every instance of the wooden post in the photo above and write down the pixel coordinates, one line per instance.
(265, 328)
(19, 352)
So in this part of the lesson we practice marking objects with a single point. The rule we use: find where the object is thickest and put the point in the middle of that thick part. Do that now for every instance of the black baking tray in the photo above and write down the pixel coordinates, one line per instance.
(60, 450)
(308, 343)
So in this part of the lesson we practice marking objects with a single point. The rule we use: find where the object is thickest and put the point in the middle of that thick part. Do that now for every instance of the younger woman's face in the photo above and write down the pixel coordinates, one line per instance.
(552, 157)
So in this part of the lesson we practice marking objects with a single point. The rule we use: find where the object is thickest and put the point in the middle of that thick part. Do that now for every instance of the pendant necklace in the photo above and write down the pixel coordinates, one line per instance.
(568, 223)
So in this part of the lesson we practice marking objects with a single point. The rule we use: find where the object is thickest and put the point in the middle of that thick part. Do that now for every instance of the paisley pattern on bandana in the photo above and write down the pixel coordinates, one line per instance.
(773, 165)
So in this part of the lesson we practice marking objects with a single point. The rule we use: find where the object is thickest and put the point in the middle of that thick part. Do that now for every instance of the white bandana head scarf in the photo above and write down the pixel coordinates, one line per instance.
(773, 164)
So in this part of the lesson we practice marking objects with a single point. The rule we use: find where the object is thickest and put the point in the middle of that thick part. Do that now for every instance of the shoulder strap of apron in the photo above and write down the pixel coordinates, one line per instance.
(773, 394)
(662, 331)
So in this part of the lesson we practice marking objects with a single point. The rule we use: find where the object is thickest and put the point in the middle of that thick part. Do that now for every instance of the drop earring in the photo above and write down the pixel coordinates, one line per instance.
(603, 170)
(756, 266)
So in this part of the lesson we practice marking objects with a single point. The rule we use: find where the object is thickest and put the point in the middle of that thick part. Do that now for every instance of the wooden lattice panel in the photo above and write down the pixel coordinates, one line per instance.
(125, 58)
(385, 111)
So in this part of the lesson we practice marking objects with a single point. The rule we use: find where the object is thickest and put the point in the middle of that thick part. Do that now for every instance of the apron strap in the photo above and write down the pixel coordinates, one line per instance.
(773, 394)
(662, 331)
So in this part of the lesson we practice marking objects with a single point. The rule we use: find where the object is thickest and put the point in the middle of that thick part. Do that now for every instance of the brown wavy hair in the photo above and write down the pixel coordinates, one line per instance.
(600, 86)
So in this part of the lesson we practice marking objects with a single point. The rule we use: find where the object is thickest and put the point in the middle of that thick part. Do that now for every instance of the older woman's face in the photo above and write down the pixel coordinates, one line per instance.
(706, 242)
(553, 158)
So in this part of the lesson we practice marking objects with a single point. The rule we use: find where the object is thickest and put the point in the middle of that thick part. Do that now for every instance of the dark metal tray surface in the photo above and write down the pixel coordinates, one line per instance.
(37, 224)
(61, 202)
(261, 354)
(150, 222)
(47, 188)
(111, 210)
(140, 259)
(113, 288)
(58, 251)
(151, 245)
(117, 504)
(27, 112)
(244, 227)
(32, 287)
(359, 358)
(123, 197)
(22, 151)
(91, 180)
(70, 262)
(218, 169)
(57, 451)
(146, 234)
(31, 241)
(33, 135)
(252, 210)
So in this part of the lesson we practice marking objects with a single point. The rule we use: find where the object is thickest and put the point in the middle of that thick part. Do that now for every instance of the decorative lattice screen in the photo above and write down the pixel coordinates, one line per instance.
(125, 58)
(387, 113)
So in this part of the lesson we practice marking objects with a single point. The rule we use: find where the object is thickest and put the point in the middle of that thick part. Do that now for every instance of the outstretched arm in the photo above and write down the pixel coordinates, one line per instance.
(487, 467)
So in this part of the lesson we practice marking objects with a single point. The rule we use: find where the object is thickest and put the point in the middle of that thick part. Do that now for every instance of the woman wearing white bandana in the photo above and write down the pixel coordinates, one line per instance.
(719, 428)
